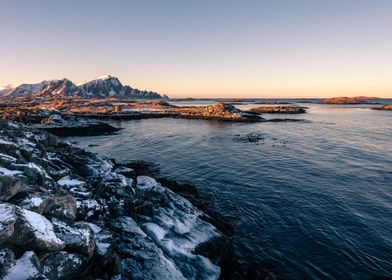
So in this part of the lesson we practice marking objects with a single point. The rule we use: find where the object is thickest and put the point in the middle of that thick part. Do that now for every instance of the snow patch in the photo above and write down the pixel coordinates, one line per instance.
(24, 268)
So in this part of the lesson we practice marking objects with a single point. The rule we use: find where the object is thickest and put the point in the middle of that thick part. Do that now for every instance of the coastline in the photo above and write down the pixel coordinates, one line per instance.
(106, 201)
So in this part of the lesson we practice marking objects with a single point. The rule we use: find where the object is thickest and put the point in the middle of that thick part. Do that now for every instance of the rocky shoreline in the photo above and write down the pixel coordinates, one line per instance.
(66, 214)
(65, 117)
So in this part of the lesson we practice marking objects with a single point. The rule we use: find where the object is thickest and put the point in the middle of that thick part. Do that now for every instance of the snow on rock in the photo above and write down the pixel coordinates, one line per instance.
(78, 237)
(68, 182)
(33, 231)
(7, 221)
(7, 172)
(27, 267)
(63, 265)
(141, 258)
(7, 260)
(176, 228)
(145, 182)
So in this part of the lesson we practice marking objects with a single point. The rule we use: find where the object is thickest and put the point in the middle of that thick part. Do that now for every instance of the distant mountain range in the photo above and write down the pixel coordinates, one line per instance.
(102, 87)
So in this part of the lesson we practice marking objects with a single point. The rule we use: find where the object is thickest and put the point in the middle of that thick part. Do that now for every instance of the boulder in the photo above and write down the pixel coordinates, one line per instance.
(63, 265)
(26, 267)
(56, 205)
(140, 257)
(34, 232)
(78, 237)
(9, 186)
(7, 221)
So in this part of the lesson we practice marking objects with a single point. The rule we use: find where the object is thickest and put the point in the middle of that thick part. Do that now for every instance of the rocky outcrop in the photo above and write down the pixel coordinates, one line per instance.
(66, 213)
(279, 110)
(218, 111)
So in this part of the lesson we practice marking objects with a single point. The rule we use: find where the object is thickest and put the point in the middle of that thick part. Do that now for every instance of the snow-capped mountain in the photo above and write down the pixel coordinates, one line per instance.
(102, 87)
(6, 89)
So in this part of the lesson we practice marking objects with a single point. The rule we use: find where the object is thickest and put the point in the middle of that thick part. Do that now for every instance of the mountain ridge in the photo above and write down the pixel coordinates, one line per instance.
(102, 87)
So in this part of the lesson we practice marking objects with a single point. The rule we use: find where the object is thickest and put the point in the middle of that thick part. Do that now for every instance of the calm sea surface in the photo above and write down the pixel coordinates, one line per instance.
(312, 197)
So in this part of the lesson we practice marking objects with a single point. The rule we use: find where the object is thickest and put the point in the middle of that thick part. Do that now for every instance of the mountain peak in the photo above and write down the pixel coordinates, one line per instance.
(105, 77)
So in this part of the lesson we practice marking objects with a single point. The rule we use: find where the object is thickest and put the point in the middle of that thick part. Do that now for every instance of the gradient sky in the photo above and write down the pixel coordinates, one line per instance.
(204, 48)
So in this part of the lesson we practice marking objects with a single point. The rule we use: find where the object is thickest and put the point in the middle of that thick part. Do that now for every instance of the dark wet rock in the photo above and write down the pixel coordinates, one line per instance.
(104, 245)
(84, 129)
(63, 265)
(9, 186)
(8, 218)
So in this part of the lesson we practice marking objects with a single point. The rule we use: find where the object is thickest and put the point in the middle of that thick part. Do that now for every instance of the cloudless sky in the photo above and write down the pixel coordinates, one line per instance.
(203, 48)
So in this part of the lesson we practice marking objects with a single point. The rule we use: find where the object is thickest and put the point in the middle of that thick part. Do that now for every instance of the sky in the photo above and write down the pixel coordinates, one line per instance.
(203, 48)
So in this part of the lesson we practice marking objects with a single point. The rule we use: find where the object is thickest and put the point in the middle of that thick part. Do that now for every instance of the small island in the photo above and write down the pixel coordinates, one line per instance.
(350, 100)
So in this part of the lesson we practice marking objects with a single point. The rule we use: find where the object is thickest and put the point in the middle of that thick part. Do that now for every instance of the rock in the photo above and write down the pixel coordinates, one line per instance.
(279, 110)
(140, 257)
(63, 265)
(145, 182)
(88, 209)
(7, 221)
(104, 244)
(33, 231)
(177, 228)
(384, 108)
(55, 205)
(27, 267)
(123, 170)
(7, 260)
(78, 237)
(9, 186)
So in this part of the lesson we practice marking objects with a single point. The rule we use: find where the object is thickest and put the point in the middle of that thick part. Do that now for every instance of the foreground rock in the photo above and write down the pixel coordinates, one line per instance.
(66, 213)
(279, 110)
(384, 108)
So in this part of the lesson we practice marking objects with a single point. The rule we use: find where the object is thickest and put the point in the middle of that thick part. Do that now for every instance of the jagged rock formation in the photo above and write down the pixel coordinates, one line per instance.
(66, 213)
(102, 87)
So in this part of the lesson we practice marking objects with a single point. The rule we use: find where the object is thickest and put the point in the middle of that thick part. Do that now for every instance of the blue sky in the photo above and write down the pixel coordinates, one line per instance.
(204, 48)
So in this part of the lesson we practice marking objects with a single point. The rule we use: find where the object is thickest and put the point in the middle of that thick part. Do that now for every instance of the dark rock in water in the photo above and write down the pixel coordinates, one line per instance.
(9, 186)
(87, 129)
(63, 265)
